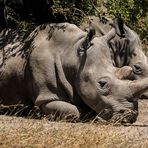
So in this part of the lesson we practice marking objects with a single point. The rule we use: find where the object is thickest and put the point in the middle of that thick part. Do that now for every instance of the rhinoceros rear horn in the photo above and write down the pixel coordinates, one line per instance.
(110, 35)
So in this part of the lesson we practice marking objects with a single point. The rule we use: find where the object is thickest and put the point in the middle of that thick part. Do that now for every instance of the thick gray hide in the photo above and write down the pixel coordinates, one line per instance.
(62, 69)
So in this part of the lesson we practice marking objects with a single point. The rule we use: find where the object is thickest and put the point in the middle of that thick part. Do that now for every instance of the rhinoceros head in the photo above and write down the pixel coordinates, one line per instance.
(98, 84)
(130, 46)
(133, 55)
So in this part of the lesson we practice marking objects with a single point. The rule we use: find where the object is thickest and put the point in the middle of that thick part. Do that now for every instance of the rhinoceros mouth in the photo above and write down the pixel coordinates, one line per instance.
(124, 118)
(128, 116)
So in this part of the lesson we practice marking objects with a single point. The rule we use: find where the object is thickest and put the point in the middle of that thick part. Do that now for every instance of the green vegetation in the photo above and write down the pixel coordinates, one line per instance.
(135, 13)
(34, 12)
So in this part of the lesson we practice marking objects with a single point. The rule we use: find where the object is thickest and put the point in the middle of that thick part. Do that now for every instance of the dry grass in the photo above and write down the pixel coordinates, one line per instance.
(19, 132)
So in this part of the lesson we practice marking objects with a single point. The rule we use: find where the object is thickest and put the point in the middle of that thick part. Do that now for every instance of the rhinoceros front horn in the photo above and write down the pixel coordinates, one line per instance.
(138, 87)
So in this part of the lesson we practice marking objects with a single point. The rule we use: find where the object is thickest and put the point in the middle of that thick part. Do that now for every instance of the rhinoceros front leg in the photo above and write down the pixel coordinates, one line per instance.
(44, 77)
(45, 86)
(47, 74)
(62, 110)
(65, 110)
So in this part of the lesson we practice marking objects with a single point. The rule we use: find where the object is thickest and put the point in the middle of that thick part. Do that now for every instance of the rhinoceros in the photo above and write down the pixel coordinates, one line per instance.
(126, 46)
(62, 69)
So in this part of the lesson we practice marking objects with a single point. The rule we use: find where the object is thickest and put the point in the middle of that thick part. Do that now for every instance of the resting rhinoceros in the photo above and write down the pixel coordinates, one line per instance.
(126, 46)
(61, 68)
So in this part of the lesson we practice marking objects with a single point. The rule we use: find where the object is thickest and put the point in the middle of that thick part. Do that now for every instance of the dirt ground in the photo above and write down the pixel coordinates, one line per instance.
(21, 133)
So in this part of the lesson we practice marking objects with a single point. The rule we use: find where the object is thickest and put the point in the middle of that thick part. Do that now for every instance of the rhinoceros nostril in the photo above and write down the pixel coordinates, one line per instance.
(144, 96)
(103, 86)
(122, 111)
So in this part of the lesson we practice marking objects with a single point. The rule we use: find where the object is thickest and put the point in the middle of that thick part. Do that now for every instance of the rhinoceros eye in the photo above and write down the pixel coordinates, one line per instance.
(134, 54)
(137, 69)
(104, 86)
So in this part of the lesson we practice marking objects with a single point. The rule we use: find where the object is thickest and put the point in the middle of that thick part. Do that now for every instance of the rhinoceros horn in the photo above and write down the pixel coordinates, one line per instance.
(138, 87)
(123, 72)
(110, 35)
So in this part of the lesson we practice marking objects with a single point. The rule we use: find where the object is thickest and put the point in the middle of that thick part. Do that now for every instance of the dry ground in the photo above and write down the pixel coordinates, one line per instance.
(21, 133)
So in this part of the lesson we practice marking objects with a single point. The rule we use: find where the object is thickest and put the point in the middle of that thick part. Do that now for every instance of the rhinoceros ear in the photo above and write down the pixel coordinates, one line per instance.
(87, 41)
(90, 34)
(122, 30)
(119, 26)
(125, 32)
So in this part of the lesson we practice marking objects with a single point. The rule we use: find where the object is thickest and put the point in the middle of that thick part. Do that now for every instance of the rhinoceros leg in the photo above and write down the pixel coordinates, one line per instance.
(61, 109)
(46, 89)
(44, 76)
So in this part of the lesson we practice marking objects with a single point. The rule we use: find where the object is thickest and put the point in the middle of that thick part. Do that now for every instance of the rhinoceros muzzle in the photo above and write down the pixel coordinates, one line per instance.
(138, 87)
(123, 116)
(129, 113)
(127, 116)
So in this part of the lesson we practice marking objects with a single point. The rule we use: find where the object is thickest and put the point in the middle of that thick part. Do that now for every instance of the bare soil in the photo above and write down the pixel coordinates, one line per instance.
(21, 133)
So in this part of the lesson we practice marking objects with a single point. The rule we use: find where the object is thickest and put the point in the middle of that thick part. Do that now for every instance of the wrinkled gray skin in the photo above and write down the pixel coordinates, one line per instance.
(126, 47)
(60, 68)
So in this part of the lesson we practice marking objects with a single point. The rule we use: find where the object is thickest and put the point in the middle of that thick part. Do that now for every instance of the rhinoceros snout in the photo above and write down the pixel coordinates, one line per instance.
(130, 116)
(125, 116)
